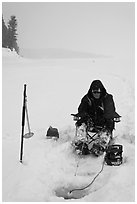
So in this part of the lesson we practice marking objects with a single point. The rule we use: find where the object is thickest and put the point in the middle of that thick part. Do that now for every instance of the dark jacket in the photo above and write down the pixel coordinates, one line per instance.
(102, 110)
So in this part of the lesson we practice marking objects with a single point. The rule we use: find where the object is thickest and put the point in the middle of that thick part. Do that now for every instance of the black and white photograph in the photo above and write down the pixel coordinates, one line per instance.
(68, 101)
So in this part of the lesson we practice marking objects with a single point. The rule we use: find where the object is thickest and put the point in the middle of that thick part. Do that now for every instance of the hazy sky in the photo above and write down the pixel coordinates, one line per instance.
(101, 28)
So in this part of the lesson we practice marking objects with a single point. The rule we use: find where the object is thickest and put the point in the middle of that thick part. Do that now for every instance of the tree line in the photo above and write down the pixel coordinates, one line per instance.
(9, 34)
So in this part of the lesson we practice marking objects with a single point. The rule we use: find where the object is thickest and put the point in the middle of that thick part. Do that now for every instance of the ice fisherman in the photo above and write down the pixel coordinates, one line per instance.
(99, 106)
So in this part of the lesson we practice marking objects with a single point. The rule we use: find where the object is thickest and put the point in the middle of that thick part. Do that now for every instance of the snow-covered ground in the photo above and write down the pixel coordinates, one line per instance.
(54, 90)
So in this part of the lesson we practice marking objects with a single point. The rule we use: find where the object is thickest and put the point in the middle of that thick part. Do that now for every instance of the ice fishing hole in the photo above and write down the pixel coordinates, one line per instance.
(64, 193)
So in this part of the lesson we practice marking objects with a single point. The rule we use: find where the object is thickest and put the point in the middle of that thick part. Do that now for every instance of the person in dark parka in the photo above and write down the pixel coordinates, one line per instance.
(99, 106)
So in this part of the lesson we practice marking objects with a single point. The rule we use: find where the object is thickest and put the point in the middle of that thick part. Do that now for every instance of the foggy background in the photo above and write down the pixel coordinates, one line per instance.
(105, 28)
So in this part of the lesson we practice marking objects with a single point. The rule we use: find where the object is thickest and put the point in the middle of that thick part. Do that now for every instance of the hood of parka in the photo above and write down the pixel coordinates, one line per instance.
(95, 85)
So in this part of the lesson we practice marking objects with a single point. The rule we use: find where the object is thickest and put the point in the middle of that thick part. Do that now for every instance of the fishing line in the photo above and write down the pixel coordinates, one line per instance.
(79, 189)
(79, 160)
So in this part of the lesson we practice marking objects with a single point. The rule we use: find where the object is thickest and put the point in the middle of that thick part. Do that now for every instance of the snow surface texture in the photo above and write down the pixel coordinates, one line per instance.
(54, 91)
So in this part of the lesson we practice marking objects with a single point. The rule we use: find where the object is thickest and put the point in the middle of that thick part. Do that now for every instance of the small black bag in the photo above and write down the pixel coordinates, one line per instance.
(52, 133)
(113, 155)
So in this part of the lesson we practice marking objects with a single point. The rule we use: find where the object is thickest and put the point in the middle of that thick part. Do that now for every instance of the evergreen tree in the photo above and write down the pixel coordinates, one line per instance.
(4, 34)
(12, 34)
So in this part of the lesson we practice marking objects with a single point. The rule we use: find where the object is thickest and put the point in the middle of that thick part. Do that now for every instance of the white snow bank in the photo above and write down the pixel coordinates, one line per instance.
(8, 53)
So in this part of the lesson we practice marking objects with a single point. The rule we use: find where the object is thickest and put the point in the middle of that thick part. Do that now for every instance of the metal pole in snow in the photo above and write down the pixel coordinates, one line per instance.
(23, 122)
